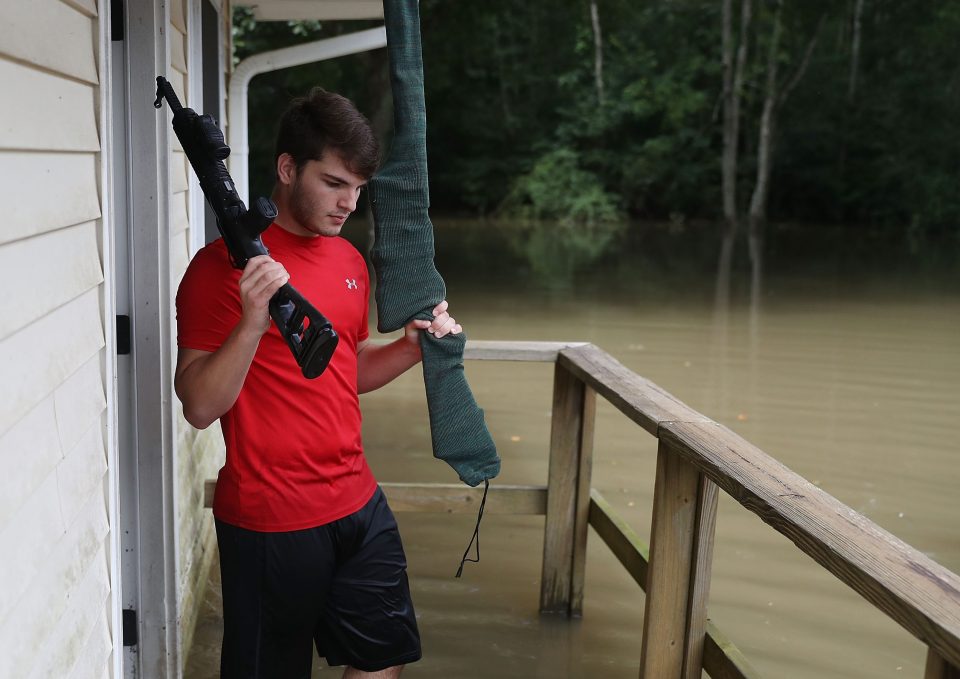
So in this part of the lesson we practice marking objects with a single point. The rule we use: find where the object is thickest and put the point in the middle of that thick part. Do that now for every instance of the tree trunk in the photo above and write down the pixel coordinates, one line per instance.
(728, 162)
(732, 95)
(773, 100)
(761, 189)
(855, 51)
(847, 122)
(597, 50)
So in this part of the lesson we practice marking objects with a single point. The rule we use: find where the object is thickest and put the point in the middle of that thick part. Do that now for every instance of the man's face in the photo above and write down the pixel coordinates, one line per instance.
(322, 194)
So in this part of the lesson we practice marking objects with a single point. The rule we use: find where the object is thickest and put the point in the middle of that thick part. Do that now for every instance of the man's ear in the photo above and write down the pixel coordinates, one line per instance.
(286, 169)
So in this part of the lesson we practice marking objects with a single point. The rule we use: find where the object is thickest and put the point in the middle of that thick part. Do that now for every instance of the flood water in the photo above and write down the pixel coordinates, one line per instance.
(848, 372)
(846, 369)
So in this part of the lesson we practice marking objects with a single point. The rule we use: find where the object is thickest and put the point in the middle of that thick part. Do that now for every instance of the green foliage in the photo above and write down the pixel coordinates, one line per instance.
(516, 125)
(558, 188)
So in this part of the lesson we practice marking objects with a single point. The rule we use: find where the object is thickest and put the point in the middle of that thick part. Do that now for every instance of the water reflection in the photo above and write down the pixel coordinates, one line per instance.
(555, 252)
(724, 266)
(688, 260)
(724, 280)
(846, 370)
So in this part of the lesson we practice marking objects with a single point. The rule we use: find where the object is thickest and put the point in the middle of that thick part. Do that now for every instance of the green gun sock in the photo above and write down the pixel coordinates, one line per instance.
(408, 284)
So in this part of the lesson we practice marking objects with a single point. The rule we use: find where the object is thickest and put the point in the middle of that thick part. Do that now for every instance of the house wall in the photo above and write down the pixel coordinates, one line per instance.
(56, 604)
(59, 578)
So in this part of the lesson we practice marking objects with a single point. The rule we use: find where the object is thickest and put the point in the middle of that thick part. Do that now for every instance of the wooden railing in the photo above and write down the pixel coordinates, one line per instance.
(696, 457)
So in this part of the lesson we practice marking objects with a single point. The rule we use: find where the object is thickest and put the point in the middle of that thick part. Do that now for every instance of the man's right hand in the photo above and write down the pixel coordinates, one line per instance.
(208, 383)
(261, 279)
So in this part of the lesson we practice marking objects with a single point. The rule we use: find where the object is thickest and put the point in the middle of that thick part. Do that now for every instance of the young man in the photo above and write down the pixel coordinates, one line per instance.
(309, 550)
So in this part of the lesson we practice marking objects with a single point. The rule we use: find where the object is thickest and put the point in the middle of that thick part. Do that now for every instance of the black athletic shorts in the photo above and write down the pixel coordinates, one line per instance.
(342, 586)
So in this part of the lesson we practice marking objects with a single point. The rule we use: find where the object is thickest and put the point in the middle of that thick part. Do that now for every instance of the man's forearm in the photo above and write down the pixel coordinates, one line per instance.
(378, 365)
(210, 384)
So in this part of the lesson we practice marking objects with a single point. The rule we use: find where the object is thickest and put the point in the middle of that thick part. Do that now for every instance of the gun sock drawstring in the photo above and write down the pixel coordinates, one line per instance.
(476, 532)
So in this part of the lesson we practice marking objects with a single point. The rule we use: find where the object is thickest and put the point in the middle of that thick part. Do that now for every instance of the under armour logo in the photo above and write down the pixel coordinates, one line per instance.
(351, 283)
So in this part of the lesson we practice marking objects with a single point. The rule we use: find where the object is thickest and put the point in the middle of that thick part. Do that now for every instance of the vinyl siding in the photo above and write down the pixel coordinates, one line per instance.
(61, 265)
(29, 179)
(55, 603)
(53, 112)
(55, 598)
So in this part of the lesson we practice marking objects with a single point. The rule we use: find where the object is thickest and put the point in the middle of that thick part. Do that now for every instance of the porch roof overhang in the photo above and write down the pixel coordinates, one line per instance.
(319, 10)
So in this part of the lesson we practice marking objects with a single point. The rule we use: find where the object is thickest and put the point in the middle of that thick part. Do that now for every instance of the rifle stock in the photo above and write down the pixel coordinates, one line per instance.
(307, 332)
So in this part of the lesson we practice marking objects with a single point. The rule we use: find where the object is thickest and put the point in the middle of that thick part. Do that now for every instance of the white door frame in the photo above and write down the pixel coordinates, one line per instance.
(147, 475)
(111, 213)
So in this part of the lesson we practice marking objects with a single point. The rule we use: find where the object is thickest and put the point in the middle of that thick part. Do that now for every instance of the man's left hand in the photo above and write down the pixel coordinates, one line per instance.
(442, 324)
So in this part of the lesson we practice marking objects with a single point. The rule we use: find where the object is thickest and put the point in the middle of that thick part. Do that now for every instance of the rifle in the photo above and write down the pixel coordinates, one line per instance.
(310, 336)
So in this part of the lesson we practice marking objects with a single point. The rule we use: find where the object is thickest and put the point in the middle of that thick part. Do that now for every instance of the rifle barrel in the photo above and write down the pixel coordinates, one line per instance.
(165, 91)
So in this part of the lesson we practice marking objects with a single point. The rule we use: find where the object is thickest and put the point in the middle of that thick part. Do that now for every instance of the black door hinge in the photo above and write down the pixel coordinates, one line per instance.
(129, 627)
(123, 335)
(116, 20)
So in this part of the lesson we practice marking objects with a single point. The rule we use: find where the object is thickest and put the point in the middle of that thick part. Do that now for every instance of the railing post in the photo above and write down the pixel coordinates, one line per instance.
(678, 578)
(700, 570)
(581, 519)
(568, 495)
(938, 668)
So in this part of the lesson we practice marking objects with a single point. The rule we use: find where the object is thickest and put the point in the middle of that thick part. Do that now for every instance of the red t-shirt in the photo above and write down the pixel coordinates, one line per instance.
(294, 455)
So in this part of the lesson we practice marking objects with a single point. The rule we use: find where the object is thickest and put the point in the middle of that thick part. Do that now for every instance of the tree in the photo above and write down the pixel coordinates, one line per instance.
(774, 99)
(855, 50)
(862, 132)
(732, 95)
(733, 75)
(598, 49)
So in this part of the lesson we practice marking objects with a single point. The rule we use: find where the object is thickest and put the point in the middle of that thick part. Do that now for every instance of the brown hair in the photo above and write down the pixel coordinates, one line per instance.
(323, 120)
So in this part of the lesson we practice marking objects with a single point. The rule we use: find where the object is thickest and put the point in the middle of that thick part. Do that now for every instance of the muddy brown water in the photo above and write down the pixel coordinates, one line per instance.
(847, 371)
